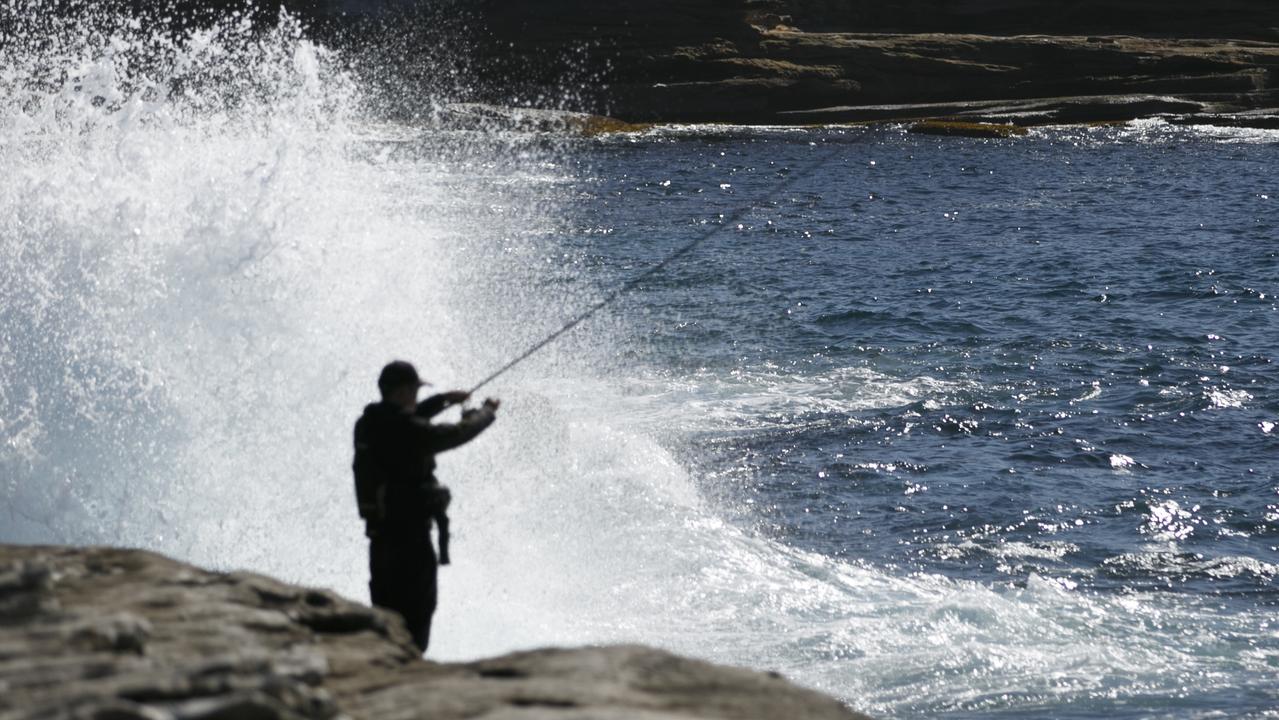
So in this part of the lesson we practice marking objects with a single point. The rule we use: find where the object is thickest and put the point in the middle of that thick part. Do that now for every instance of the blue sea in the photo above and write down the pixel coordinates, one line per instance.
(944, 427)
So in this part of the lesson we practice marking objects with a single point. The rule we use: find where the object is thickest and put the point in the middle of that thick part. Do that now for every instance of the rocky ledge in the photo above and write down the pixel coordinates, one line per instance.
(112, 634)
(798, 62)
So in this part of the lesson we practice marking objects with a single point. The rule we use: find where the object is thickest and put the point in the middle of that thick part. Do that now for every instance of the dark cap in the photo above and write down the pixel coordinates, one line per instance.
(396, 374)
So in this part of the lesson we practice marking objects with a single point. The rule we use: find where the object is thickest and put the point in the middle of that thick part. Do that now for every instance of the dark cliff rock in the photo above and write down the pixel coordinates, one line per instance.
(111, 634)
(772, 61)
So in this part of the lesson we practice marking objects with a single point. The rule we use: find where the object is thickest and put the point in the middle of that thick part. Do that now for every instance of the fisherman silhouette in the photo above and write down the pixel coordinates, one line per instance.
(398, 495)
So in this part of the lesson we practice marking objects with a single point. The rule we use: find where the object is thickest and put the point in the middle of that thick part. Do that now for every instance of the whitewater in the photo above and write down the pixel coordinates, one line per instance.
(209, 244)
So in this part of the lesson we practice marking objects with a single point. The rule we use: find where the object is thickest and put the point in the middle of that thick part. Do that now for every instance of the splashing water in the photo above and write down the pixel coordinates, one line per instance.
(208, 251)
(201, 260)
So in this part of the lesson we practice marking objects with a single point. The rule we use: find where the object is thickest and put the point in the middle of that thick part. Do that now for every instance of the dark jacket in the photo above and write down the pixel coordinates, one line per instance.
(395, 463)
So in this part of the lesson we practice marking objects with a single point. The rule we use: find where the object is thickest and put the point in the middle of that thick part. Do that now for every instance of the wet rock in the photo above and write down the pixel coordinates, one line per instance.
(1039, 111)
(111, 634)
(1257, 120)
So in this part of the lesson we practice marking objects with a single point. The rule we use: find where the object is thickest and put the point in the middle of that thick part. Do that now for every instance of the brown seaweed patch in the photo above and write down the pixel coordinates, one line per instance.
(593, 125)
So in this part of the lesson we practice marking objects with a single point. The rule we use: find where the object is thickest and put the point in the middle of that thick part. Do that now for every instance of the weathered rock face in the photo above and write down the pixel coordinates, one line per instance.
(767, 60)
(128, 635)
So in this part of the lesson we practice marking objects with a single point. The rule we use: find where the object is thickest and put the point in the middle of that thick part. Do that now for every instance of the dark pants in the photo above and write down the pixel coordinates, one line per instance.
(403, 579)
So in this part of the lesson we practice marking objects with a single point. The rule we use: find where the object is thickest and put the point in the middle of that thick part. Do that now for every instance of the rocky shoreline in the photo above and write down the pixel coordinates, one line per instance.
(791, 62)
(117, 634)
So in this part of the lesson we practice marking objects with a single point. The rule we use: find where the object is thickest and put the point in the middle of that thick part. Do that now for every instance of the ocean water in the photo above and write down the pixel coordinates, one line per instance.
(943, 427)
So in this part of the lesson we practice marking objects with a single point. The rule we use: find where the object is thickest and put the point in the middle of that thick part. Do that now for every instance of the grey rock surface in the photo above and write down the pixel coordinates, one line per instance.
(114, 634)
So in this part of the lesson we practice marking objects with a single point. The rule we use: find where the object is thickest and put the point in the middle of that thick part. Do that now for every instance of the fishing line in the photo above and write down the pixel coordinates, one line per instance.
(634, 282)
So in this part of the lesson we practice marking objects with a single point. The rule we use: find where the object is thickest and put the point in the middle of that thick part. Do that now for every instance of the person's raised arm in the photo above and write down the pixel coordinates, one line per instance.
(444, 436)
(436, 404)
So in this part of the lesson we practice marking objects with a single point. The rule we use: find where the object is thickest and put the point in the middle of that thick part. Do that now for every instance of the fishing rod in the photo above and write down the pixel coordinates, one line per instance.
(635, 282)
